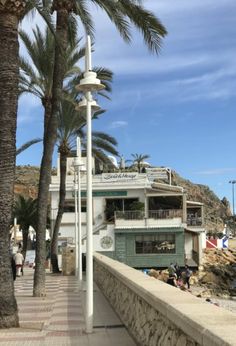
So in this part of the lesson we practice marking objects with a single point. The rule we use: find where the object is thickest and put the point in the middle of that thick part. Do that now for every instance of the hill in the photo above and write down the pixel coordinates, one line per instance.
(217, 211)
(26, 181)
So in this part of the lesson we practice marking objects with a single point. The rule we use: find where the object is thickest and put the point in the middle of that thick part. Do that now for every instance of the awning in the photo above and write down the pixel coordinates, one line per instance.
(192, 230)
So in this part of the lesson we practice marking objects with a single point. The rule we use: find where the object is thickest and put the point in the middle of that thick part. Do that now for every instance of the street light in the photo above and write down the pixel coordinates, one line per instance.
(76, 217)
(232, 182)
(77, 163)
(90, 83)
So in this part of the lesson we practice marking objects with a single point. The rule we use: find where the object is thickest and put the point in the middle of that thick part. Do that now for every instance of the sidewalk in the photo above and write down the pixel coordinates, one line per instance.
(58, 319)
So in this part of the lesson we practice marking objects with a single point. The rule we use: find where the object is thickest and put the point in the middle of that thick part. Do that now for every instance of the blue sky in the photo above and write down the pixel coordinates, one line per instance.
(179, 107)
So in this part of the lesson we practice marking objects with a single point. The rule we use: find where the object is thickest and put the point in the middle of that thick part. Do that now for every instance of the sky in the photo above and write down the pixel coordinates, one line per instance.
(178, 107)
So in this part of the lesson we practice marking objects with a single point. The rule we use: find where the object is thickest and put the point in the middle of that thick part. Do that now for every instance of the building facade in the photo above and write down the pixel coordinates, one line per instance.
(138, 218)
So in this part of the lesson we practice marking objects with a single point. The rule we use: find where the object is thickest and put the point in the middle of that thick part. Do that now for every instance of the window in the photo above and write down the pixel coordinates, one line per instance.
(154, 244)
(117, 204)
(69, 206)
(83, 206)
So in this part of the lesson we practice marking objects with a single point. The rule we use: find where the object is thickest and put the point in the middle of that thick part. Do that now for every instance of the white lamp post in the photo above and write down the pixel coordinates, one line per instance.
(90, 83)
(232, 182)
(78, 248)
(76, 219)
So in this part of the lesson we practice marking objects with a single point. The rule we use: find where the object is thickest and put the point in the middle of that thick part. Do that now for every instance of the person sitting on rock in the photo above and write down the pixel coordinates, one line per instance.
(172, 280)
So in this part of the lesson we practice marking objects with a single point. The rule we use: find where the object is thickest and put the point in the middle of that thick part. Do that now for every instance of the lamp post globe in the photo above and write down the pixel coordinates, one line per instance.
(82, 105)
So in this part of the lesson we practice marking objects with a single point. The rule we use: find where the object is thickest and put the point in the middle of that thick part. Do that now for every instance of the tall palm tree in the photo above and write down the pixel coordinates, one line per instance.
(38, 80)
(138, 160)
(122, 13)
(25, 211)
(11, 13)
(71, 124)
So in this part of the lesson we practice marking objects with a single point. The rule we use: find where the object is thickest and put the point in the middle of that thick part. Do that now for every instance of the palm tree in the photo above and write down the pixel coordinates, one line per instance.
(11, 13)
(25, 211)
(122, 14)
(71, 125)
(138, 160)
(39, 81)
(26, 145)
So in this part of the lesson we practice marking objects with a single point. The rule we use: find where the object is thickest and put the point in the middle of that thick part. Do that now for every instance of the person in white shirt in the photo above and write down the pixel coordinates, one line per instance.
(19, 260)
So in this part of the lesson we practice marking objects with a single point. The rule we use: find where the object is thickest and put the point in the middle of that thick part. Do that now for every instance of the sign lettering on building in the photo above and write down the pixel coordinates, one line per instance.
(130, 176)
(104, 193)
(158, 173)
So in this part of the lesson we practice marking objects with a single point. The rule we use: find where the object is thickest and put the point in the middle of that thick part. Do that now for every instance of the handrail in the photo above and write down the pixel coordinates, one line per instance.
(152, 214)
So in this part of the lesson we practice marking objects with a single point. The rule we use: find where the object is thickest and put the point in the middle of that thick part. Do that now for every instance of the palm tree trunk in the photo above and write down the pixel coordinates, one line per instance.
(9, 72)
(25, 241)
(49, 143)
(47, 104)
(62, 196)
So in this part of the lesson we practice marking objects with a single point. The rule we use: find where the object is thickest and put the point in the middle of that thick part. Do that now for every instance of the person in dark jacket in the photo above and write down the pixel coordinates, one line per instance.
(13, 267)
(188, 274)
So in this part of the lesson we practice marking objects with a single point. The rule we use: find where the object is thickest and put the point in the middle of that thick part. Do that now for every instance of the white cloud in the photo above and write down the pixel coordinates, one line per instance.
(217, 171)
(173, 6)
(28, 105)
(118, 124)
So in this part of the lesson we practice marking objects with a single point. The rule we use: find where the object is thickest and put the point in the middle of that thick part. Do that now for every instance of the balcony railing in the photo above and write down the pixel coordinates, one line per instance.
(194, 221)
(152, 214)
(165, 214)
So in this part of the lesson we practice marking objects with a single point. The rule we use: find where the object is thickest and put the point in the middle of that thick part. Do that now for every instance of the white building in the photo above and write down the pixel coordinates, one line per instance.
(164, 228)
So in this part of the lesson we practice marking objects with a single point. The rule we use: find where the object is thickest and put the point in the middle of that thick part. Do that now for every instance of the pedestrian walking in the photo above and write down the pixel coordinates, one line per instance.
(13, 267)
(178, 271)
(19, 260)
(188, 274)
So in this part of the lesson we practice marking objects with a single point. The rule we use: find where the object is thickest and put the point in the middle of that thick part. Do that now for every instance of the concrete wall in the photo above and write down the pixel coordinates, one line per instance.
(157, 314)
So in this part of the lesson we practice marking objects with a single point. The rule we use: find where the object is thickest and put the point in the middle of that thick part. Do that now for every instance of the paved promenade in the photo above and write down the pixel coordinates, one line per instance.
(58, 319)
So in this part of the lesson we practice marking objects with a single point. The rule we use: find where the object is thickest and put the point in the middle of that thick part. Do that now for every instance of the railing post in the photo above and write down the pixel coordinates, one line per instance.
(184, 208)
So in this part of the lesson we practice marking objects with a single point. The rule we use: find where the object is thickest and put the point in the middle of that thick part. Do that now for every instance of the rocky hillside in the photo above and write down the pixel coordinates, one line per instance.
(26, 181)
(217, 274)
(216, 211)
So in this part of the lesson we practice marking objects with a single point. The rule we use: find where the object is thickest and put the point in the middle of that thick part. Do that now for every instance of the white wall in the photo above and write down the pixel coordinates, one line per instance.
(188, 246)
(97, 246)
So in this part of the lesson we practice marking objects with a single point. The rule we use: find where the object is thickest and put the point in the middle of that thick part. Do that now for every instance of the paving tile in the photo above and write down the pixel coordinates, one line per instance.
(58, 318)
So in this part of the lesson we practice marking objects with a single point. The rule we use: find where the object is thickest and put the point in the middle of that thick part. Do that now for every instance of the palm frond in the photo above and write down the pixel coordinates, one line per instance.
(27, 145)
(113, 10)
(150, 26)
(85, 17)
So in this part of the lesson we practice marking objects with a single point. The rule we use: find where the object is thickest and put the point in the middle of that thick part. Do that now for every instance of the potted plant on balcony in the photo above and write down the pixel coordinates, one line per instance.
(138, 207)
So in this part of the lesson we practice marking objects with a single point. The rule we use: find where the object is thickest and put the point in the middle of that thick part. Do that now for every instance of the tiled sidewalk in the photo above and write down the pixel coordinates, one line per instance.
(58, 319)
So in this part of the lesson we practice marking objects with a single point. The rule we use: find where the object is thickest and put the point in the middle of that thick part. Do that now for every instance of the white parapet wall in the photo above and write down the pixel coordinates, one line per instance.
(158, 314)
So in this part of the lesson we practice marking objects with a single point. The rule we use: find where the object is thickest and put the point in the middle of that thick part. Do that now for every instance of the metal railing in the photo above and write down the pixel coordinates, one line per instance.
(129, 215)
(152, 214)
(165, 214)
(194, 221)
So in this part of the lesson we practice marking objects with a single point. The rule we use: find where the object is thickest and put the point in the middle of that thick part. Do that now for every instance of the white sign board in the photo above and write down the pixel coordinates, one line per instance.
(130, 176)
(158, 173)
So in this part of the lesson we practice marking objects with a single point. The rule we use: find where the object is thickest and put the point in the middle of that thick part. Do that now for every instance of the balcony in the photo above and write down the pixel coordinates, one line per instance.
(194, 221)
(154, 218)
(69, 218)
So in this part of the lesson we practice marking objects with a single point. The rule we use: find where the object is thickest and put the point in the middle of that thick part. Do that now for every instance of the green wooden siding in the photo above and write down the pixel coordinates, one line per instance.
(120, 248)
(110, 254)
(125, 249)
